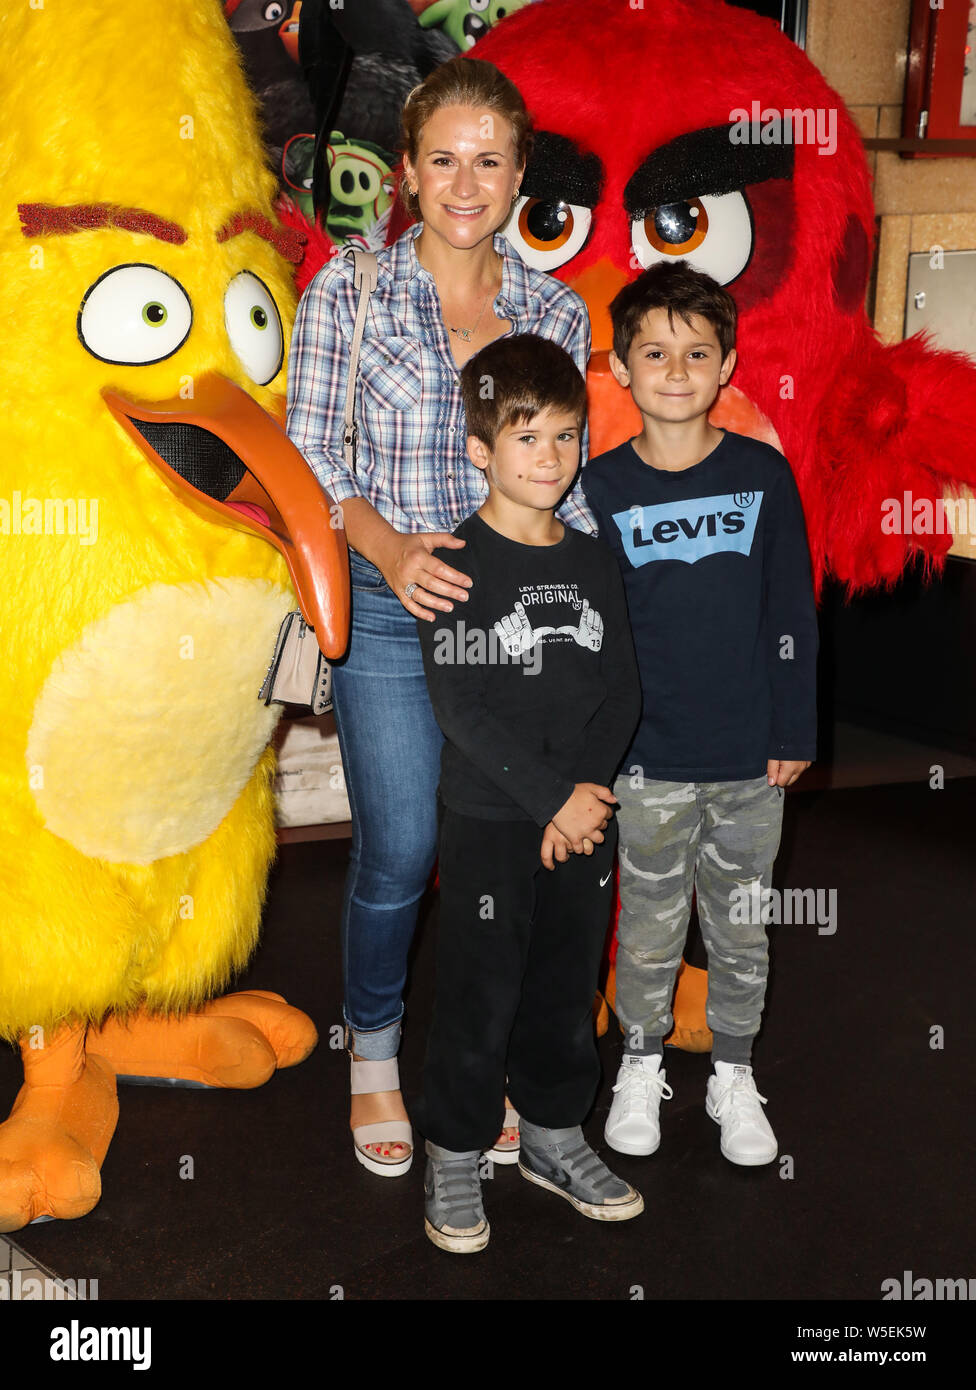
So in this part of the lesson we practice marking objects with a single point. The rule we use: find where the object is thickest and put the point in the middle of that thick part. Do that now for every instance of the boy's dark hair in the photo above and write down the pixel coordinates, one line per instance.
(513, 379)
(675, 286)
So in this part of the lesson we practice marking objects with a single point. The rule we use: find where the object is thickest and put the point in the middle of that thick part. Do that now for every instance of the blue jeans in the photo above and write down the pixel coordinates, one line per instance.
(391, 747)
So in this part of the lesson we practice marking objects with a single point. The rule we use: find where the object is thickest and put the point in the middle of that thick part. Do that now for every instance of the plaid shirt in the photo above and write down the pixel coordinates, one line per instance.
(411, 460)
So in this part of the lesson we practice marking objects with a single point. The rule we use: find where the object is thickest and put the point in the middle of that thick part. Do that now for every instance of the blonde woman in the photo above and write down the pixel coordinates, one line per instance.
(448, 286)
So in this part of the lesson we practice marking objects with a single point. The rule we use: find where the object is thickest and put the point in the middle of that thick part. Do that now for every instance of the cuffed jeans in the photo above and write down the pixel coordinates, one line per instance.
(711, 838)
(391, 745)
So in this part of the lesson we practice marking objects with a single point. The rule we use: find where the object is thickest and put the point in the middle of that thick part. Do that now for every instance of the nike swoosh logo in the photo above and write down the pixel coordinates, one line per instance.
(605, 880)
(559, 1178)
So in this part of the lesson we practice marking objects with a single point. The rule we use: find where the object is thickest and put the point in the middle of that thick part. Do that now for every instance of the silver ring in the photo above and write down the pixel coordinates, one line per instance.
(409, 590)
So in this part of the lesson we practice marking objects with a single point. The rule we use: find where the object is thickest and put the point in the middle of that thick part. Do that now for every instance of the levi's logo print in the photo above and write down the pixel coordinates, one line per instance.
(525, 625)
(690, 529)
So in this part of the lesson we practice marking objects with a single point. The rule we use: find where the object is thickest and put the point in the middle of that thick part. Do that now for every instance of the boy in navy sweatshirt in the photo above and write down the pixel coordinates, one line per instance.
(534, 683)
(710, 538)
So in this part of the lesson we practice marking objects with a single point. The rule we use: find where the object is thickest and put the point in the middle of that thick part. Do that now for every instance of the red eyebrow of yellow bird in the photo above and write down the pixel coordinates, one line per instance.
(286, 240)
(57, 219)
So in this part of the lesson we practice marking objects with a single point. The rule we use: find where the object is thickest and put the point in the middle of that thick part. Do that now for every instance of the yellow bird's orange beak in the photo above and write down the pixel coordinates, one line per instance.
(225, 457)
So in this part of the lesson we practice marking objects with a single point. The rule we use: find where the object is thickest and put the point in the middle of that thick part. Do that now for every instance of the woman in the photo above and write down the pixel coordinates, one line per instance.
(447, 287)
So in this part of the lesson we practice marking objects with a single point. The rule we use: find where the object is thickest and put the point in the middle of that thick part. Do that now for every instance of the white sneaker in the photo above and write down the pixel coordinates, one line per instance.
(633, 1126)
(734, 1103)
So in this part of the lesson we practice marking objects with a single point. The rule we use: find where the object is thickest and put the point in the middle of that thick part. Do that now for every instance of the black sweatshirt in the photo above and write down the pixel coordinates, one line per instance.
(533, 680)
(717, 574)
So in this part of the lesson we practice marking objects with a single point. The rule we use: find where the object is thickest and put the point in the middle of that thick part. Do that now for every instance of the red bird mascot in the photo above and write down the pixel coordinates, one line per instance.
(660, 144)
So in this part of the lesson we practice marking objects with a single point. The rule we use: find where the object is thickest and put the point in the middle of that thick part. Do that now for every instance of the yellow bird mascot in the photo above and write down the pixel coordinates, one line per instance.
(153, 520)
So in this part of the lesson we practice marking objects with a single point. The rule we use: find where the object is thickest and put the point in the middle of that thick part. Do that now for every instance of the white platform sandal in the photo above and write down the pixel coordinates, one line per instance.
(366, 1079)
(508, 1153)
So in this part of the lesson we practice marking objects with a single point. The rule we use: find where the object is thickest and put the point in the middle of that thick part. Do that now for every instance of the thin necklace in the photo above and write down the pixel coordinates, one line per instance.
(465, 334)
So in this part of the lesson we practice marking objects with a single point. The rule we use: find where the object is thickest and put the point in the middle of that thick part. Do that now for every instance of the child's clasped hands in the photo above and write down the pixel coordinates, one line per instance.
(578, 824)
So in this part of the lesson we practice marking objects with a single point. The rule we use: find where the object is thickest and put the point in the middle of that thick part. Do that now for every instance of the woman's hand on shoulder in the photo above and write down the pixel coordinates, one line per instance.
(406, 559)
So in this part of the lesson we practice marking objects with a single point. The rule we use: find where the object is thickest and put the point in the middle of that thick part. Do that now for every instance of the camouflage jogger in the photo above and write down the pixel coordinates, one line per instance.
(676, 838)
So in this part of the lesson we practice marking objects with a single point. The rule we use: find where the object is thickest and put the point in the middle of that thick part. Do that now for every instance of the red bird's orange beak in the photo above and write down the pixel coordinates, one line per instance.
(598, 285)
(613, 416)
(231, 462)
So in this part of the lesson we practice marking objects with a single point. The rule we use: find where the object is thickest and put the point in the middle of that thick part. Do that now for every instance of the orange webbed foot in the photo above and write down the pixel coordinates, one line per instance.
(189, 1051)
(691, 1032)
(290, 1032)
(235, 1042)
(55, 1141)
(601, 1013)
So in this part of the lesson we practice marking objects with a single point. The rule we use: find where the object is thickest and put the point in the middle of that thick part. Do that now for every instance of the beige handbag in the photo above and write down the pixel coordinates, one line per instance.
(299, 674)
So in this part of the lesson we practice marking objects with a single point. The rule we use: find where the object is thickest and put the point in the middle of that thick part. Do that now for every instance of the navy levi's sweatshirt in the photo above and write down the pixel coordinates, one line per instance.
(717, 575)
(533, 679)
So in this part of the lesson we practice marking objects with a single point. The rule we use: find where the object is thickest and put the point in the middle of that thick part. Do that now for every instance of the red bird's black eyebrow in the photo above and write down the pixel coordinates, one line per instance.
(559, 172)
(702, 162)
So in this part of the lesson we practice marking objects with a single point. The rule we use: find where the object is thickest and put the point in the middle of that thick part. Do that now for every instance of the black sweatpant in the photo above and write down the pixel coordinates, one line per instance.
(518, 957)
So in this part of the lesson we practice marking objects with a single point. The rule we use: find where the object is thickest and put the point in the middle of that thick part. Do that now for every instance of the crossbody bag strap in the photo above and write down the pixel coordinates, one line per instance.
(364, 279)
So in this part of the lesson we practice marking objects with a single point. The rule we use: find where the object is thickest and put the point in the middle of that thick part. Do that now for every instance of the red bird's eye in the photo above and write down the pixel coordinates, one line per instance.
(545, 226)
(547, 233)
(712, 232)
(676, 228)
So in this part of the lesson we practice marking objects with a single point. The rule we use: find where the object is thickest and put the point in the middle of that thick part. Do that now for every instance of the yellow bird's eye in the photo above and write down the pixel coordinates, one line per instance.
(254, 327)
(135, 314)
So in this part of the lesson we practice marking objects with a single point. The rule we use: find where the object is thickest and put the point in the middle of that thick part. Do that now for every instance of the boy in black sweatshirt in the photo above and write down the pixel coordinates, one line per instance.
(534, 683)
(709, 534)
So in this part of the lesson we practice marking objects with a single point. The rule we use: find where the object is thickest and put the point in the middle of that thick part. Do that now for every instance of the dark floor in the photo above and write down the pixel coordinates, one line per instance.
(876, 1122)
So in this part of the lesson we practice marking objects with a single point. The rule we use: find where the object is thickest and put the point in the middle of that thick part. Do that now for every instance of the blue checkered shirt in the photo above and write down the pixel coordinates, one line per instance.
(411, 460)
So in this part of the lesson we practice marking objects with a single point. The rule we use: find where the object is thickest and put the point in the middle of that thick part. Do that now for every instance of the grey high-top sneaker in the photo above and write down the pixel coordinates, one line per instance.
(454, 1217)
(562, 1161)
